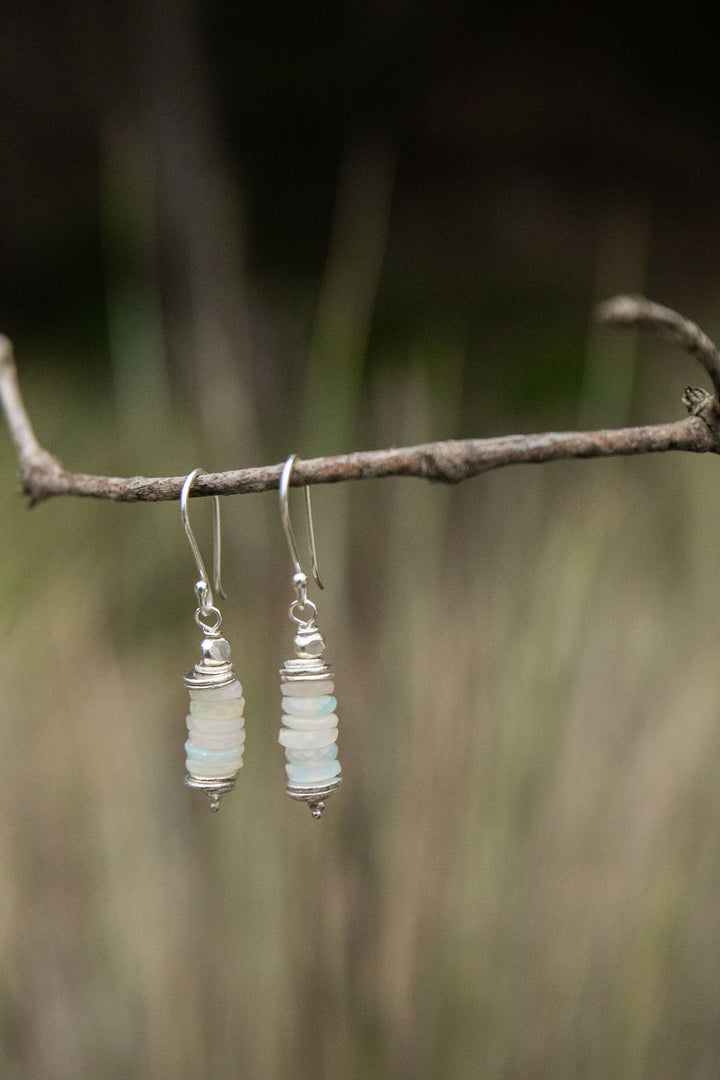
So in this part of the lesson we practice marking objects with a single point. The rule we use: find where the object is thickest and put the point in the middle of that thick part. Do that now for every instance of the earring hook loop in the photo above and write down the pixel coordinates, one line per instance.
(287, 525)
(217, 551)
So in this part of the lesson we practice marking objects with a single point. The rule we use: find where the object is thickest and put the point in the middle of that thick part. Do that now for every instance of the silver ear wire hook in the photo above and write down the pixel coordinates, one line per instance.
(284, 510)
(217, 553)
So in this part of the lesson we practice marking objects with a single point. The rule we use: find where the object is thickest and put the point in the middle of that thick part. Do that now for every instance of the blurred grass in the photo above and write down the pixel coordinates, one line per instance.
(520, 875)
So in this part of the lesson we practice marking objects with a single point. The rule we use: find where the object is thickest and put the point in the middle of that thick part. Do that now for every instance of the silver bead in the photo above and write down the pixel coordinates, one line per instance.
(215, 648)
(309, 643)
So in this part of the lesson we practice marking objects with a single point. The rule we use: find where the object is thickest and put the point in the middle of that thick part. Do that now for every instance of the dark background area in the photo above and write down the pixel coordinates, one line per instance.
(510, 135)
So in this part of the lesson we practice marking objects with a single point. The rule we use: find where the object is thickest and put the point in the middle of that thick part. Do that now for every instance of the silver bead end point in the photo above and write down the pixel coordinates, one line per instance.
(315, 797)
(214, 789)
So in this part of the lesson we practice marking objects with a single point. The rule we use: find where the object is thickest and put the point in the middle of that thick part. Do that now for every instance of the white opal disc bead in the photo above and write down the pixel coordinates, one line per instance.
(213, 727)
(309, 706)
(305, 739)
(218, 710)
(308, 688)
(310, 723)
(217, 693)
(301, 774)
(213, 770)
(209, 753)
(219, 742)
(312, 756)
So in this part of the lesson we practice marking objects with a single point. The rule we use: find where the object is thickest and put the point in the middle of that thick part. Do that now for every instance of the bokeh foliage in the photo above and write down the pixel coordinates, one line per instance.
(520, 875)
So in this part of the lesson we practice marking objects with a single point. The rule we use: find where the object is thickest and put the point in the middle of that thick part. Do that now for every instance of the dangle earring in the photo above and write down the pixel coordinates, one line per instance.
(309, 732)
(216, 728)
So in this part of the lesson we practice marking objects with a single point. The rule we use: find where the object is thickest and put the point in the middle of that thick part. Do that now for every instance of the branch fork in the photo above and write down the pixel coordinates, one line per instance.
(42, 476)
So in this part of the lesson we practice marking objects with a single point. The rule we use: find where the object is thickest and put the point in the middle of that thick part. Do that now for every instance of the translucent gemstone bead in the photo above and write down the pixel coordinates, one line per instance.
(217, 727)
(311, 757)
(306, 739)
(313, 774)
(213, 770)
(217, 693)
(202, 753)
(310, 723)
(309, 706)
(218, 710)
(307, 688)
(219, 742)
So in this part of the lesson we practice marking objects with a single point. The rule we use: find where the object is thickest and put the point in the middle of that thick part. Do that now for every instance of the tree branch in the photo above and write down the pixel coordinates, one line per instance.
(42, 475)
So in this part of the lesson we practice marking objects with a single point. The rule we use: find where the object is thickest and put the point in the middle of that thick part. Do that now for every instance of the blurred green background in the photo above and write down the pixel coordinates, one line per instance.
(229, 232)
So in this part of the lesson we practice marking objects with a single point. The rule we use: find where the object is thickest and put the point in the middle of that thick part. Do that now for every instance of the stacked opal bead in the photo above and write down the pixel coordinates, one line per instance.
(309, 732)
(215, 723)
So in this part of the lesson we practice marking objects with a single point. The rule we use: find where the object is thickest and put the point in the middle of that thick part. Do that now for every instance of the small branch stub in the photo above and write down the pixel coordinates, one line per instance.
(699, 403)
(646, 314)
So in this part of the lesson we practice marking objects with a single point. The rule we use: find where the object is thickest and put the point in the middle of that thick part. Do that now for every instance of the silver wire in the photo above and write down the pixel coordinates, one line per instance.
(217, 550)
(287, 525)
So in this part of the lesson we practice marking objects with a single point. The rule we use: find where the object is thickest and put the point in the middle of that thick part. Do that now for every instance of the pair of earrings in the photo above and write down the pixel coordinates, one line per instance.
(215, 722)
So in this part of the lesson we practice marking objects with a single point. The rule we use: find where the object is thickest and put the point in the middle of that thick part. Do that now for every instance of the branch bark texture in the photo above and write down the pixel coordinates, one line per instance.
(42, 476)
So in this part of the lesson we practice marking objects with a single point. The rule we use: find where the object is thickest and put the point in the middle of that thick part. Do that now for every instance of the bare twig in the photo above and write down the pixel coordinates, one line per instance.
(33, 458)
(42, 476)
(646, 314)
